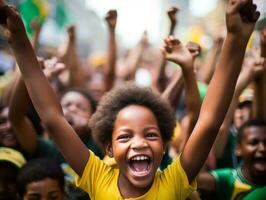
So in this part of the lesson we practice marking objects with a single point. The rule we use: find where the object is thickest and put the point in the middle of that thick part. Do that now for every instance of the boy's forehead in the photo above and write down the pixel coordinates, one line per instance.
(252, 130)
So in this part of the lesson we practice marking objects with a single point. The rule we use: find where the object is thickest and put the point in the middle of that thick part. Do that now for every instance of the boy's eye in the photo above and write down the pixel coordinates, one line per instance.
(123, 138)
(253, 141)
(151, 135)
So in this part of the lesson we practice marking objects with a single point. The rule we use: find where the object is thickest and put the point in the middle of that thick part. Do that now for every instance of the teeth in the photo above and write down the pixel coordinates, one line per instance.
(140, 158)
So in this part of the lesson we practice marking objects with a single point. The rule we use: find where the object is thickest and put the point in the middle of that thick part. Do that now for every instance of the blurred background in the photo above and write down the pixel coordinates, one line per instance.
(198, 21)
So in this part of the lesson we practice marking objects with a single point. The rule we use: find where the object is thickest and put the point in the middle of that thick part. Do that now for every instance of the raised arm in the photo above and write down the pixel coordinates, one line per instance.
(23, 127)
(70, 58)
(251, 69)
(176, 52)
(36, 28)
(160, 77)
(109, 67)
(207, 69)
(173, 20)
(134, 57)
(174, 89)
(18, 105)
(221, 88)
(259, 106)
(41, 93)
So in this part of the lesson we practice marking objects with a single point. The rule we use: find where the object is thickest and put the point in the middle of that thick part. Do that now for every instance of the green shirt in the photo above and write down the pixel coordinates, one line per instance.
(232, 185)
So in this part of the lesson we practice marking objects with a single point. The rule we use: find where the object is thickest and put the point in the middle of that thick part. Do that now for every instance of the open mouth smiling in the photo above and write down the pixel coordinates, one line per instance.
(140, 165)
(260, 164)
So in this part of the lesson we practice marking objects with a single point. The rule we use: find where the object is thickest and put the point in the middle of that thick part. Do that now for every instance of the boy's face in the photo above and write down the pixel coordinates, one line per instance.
(252, 149)
(77, 110)
(8, 176)
(7, 135)
(242, 115)
(137, 146)
(47, 189)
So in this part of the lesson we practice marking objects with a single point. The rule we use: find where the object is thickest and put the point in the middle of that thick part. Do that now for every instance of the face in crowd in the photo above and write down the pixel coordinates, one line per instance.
(7, 136)
(77, 110)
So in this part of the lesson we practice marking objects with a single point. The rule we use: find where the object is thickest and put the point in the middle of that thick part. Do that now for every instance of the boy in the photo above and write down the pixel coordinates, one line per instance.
(10, 162)
(137, 137)
(41, 179)
(250, 176)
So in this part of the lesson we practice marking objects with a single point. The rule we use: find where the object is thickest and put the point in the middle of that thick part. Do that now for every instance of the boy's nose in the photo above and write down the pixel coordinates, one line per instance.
(139, 144)
(262, 147)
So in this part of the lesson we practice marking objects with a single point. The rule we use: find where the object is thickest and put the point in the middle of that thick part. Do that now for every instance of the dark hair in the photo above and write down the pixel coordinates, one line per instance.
(102, 121)
(252, 122)
(84, 93)
(37, 170)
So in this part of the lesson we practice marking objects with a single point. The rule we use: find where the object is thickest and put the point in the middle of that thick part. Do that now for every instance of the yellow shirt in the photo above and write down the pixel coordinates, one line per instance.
(100, 181)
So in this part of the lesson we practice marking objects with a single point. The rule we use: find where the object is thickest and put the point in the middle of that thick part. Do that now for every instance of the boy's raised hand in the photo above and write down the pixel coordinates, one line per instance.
(111, 18)
(172, 14)
(241, 16)
(176, 52)
(71, 30)
(10, 20)
(52, 68)
(253, 66)
(194, 48)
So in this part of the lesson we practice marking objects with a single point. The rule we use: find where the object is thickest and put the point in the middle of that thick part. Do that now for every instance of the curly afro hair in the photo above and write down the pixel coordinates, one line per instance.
(102, 121)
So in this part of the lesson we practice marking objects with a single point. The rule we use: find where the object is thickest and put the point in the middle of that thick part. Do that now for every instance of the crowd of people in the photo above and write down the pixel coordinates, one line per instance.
(83, 129)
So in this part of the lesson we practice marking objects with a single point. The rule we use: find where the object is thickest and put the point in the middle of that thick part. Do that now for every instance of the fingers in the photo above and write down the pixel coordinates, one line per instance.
(193, 48)
(111, 14)
(170, 43)
(71, 32)
(172, 11)
(248, 10)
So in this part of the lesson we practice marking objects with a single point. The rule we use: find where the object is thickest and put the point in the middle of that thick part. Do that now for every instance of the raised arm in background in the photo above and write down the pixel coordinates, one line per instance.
(18, 105)
(259, 105)
(109, 67)
(69, 56)
(221, 88)
(160, 76)
(41, 93)
(252, 67)
(36, 28)
(134, 57)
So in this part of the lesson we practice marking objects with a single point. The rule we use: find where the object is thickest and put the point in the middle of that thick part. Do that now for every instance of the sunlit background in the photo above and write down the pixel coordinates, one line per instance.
(197, 20)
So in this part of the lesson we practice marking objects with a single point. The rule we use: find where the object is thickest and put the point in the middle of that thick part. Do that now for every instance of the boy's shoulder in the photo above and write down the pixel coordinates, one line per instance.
(231, 184)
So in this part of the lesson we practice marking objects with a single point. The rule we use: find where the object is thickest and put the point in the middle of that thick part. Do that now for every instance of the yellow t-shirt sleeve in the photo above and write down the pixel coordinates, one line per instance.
(174, 175)
(94, 176)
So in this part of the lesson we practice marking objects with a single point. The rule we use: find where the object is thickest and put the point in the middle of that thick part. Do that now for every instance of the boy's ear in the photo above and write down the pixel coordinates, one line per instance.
(238, 151)
(109, 150)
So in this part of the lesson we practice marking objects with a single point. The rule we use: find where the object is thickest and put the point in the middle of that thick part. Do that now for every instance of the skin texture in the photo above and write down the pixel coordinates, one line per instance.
(136, 132)
(46, 189)
(253, 151)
